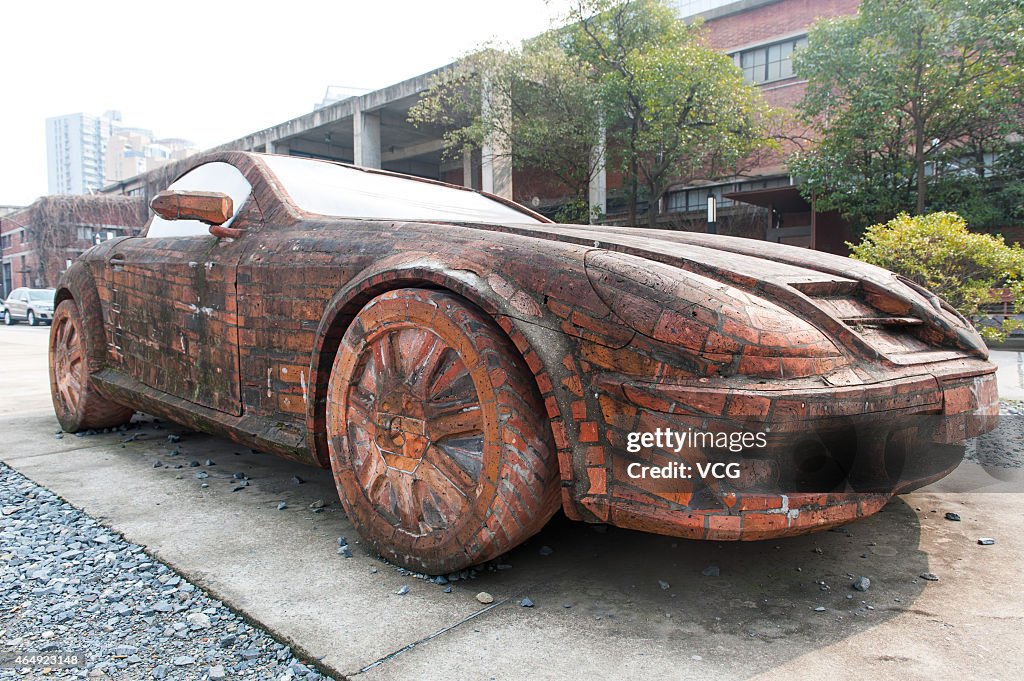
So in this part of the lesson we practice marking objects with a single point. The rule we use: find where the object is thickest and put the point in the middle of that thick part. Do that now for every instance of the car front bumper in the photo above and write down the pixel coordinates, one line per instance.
(831, 453)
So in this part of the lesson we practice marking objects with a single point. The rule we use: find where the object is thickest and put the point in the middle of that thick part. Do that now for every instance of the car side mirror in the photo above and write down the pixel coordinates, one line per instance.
(213, 208)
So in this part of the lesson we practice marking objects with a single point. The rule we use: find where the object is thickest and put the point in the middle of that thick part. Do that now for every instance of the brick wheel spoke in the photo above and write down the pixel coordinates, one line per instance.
(68, 362)
(416, 429)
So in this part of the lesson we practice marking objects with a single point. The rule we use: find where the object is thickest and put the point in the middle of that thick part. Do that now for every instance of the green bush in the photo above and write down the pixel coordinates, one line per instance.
(938, 252)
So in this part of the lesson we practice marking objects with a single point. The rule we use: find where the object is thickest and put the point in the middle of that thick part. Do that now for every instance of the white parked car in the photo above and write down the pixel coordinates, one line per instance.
(32, 305)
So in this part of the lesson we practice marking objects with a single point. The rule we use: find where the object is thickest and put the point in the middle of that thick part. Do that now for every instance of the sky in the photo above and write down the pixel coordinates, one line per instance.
(214, 71)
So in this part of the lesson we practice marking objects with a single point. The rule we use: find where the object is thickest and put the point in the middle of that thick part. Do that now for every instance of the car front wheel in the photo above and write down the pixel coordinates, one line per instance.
(439, 441)
(32, 318)
(8, 319)
(76, 402)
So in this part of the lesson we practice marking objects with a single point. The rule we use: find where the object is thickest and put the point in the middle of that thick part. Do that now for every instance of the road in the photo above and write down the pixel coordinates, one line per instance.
(600, 611)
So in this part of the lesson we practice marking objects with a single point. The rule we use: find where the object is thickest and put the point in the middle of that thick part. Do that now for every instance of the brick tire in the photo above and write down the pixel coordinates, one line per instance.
(439, 443)
(72, 353)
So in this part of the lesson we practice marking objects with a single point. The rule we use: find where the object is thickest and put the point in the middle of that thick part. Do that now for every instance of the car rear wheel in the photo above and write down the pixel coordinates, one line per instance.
(440, 446)
(8, 319)
(32, 318)
(77, 403)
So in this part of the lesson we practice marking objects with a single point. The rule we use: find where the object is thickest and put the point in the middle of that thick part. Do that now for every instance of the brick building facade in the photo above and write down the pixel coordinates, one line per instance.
(36, 242)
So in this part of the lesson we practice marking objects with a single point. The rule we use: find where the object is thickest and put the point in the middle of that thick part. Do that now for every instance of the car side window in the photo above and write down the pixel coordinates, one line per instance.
(211, 177)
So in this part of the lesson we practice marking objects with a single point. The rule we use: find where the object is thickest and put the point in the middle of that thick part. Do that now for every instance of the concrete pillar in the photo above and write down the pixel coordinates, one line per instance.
(467, 168)
(269, 147)
(366, 139)
(598, 194)
(496, 153)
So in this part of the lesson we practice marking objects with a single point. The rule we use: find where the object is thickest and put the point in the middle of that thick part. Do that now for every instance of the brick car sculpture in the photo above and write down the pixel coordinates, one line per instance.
(466, 367)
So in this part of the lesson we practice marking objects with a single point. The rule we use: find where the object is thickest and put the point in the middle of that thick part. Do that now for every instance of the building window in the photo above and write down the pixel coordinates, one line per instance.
(769, 62)
(696, 198)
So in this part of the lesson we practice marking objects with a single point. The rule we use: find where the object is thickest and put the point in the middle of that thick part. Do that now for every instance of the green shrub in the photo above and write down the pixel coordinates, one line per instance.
(938, 252)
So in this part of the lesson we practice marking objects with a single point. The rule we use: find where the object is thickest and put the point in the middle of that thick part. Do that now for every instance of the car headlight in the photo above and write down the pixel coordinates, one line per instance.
(696, 314)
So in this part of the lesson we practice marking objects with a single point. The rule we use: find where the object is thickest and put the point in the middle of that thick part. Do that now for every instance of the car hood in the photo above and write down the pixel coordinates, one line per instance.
(872, 310)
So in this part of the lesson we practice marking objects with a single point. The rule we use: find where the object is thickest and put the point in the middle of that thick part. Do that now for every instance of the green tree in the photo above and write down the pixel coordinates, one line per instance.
(535, 104)
(676, 109)
(671, 108)
(904, 95)
(938, 252)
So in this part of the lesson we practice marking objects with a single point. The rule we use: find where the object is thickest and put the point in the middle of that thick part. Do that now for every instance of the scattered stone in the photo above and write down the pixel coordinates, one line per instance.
(297, 480)
(448, 589)
(711, 571)
(239, 476)
(319, 503)
(209, 462)
(282, 506)
(238, 488)
(202, 475)
(929, 576)
(193, 464)
(986, 541)
(198, 619)
(955, 517)
(861, 584)
(485, 597)
(342, 541)
(402, 590)
(664, 585)
(173, 439)
(820, 608)
(68, 582)
(345, 551)
(546, 551)
(526, 602)
(158, 463)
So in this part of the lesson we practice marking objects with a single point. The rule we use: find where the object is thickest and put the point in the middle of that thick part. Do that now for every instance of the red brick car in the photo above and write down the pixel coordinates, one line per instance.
(466, 367)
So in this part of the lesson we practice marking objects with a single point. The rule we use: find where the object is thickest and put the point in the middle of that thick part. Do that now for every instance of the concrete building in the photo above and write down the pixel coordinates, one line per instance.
(84, 153)
(134, 151)
(764, 202)
(76, 149)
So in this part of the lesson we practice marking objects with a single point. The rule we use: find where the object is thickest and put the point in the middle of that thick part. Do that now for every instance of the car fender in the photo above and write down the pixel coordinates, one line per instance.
(78, 283)
(546, 351)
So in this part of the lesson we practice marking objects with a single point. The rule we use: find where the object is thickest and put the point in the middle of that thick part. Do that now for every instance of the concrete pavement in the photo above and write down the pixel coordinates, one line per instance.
(1011, 373)
(600, 610)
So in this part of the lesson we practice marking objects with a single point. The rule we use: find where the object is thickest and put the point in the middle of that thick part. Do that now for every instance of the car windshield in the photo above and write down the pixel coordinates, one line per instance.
(46, 294)
(331, 189)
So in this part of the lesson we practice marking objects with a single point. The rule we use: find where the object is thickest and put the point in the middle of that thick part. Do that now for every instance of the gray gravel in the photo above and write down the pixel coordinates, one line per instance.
(1004, 446)
(68, 584)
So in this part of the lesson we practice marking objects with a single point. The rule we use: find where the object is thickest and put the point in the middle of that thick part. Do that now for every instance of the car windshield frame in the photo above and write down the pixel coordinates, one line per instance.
(344, 191)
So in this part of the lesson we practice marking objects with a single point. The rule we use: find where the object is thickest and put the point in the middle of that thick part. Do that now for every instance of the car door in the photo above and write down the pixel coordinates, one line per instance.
(18, 303)
(173, 308)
